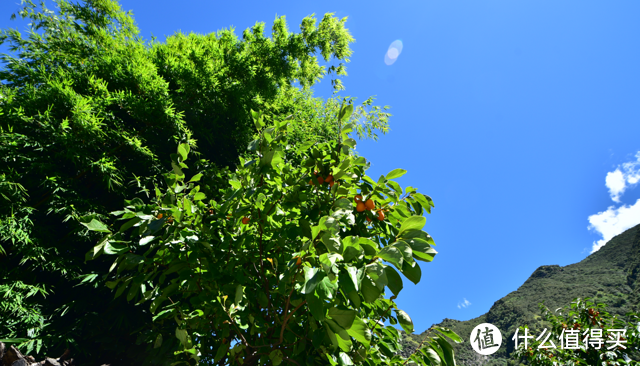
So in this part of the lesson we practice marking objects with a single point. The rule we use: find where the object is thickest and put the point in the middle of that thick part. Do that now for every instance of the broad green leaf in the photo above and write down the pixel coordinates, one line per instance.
(447, 350)
(392, 255)
(158, 341)
(146, 239)
(196, 178)
(115, 247)
(360, 332)
(328, 260)
(344, 317)
(315, 306)
(239, 293)
(405, 249)
(353, 276)
(95, 225)
(326, 289)
(412, 273)
(404, 320)
(396, 173)
(449, 333)
(331, 335)
(412, 223)
(345, 112)
(370, 291)
(129, 224)
(344, 359)
(312, 277)
(276, 357)
(183, 150)
(432, 355)
(199, 196)
(222, 350)
(394, 280)
(426, 256)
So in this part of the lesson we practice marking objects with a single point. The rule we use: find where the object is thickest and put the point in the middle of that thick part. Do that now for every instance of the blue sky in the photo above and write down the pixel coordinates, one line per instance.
(519, 118)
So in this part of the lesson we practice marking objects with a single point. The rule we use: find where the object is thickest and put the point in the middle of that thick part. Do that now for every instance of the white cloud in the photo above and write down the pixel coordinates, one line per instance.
(463, 304)
(613, 221)
(620, 179)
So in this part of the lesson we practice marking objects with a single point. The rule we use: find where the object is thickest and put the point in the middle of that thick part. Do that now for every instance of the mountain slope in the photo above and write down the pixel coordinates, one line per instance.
(610, 275)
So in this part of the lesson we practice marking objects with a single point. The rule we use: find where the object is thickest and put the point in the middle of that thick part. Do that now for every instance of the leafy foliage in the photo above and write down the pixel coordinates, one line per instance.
(284, 266)
(584, 334)
(610, 276)
(87, 110)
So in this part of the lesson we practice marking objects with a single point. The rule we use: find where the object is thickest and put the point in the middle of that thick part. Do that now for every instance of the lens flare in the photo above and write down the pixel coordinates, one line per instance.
(395, 49)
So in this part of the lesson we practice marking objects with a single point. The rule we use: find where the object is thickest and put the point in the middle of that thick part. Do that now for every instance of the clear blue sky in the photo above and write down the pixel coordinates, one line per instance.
(519, 118)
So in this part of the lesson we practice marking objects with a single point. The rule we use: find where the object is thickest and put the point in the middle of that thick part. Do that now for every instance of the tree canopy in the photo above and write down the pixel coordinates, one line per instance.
(89, 116)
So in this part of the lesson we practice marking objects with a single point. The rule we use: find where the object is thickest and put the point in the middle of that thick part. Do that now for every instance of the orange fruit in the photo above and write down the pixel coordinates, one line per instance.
(311, 181)
(331, 184)
(159, 216)
(329, 179)
(245, 220)
(369, 204)
(299, 261)
(368, 219)
(360, 206)
(358, 198)
(320, 180)
(380, 215)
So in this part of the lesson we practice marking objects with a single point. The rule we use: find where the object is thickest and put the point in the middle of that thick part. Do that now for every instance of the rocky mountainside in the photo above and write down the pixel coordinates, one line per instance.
(610, 275)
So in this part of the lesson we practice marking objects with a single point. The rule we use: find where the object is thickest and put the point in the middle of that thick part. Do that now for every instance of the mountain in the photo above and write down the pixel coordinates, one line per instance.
(610, 276)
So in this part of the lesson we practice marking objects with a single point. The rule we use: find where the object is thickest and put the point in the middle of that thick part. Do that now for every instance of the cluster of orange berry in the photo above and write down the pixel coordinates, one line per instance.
(321, 180)
(367, 205)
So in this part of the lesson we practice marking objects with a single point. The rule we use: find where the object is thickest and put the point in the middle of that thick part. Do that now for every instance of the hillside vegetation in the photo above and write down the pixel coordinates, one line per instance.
(609, 276)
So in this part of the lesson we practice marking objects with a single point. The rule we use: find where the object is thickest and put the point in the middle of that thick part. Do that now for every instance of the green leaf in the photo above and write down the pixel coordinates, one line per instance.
(95, 225)
(396, 173)
(370, 291)
(344, 317)
(412, 223)
(129, 224)
(412, 273)
(344, 359)
(394, 280)
(158, 341)
(199, 196)
(239, 293)
(345, 112)
(447, 350)
(222, 350)
(326, 289)
(360, 332)
(404, 320)
(315, 306)
(312, 277)
(449, 333)
(181, 334)
(183, 150)
(195, 178)
(14, 340)
(276, 357)
(115, 247)
(392, 255)
(405, 250)
(146, 239)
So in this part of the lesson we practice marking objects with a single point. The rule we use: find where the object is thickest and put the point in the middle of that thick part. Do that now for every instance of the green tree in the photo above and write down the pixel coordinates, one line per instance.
(87, 111)
(582, 319)
(290, 264)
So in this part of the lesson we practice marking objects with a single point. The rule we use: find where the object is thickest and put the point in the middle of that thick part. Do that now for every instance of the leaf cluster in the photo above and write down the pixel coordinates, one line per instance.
(283, 267)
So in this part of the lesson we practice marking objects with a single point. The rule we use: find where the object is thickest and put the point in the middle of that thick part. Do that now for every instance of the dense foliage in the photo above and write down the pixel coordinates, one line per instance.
(610, 276)
(583, 334)
(88, 114)
(289, 264)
